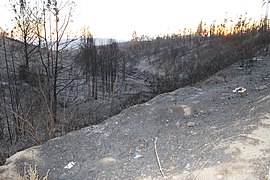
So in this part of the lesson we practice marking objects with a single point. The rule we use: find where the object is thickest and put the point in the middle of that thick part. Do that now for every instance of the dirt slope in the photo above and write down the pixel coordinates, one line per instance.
(201, 132)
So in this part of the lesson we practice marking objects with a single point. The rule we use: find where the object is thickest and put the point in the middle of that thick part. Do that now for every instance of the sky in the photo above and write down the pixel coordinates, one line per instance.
(118, 19)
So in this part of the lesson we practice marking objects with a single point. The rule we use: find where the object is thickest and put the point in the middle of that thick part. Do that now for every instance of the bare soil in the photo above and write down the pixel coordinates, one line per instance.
(202, 132)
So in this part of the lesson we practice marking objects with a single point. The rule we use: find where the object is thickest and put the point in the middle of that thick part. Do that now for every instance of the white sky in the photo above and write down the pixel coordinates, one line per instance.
(119, 18)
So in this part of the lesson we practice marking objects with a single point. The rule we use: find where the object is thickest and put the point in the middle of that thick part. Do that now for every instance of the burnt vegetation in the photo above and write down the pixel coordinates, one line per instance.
(49, 86)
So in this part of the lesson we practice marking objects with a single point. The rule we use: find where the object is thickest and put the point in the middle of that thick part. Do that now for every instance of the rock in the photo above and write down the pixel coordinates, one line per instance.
(70, 165)
(191, 124)
(141, 146)
(177, 124)
(240, 90)
(172, 168)
(219, 176)
(188, 167)
(137, 156)
(186, 173)
(170, 110)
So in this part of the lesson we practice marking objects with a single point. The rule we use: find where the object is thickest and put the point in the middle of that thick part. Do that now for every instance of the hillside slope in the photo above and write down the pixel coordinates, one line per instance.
(201, 132)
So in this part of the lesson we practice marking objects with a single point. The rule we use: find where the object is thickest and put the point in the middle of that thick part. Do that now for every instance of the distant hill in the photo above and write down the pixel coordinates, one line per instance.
(74, 43)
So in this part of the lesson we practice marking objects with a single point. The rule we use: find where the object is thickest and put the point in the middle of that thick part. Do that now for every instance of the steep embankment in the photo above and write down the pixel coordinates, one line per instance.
(202, 132)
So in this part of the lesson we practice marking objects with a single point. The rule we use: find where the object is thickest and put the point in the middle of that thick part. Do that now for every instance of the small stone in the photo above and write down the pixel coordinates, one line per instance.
(240, 90)
(141, 146)
(137, 156)
(219, 177)
(187, 167)
(186, 173)
(178, 124)
(191, 124)
(171, 168)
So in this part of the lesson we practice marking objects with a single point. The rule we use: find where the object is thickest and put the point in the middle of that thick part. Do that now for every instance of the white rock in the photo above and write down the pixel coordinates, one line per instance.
(137, 156)
(191, 124)
(188, 167)
(219, 177)
(177, 124)
(69, 165)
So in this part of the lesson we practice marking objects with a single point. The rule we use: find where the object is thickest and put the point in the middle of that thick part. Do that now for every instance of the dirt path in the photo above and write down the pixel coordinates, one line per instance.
(202, 132)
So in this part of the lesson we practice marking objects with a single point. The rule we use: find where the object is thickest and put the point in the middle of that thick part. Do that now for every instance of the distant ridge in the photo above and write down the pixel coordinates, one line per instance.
(74, 43)
(103, 41)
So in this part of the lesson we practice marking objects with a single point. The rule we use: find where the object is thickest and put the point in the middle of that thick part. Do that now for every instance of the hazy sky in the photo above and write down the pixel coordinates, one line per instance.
(119, 18)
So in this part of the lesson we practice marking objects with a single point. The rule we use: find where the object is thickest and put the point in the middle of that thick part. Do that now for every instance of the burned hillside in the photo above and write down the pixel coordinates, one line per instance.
(52, 88)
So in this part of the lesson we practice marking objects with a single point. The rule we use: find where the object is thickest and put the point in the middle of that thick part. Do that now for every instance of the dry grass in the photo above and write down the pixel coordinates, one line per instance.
(32, 174)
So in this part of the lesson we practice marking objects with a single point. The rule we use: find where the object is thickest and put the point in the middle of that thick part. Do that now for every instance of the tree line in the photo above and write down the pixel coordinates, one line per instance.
(43, 73)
